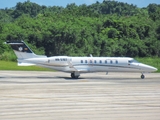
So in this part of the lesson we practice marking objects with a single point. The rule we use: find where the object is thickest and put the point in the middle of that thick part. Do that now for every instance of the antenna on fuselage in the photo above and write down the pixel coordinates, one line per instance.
(91, 55)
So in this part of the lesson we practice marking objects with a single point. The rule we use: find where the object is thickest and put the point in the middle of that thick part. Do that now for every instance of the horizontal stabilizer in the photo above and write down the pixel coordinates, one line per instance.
(25, 64)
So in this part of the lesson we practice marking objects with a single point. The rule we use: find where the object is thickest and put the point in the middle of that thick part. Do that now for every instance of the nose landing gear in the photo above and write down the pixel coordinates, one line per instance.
(142, 76)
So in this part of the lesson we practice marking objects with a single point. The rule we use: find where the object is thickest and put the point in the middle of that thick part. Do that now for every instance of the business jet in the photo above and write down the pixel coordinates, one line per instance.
(77, 65)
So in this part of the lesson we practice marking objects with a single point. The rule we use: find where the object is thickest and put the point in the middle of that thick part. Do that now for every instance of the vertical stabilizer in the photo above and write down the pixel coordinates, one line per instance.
(22, 51)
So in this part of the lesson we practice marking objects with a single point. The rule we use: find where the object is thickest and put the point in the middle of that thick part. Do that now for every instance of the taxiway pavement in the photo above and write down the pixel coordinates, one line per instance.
(28, 95)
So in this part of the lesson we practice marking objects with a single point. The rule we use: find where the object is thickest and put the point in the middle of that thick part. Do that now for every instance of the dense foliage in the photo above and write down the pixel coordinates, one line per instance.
(109, 28)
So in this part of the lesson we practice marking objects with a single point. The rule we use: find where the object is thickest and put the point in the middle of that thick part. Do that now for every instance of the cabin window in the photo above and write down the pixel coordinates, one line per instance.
(56, 59)
(105, 61)
(111, 61)
(116, 61)
(100, 61)
(81, 61)
(95, 61)
(85, 61)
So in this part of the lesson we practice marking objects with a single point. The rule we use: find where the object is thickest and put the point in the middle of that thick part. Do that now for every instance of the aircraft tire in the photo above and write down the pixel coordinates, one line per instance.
(142, 76)
(72, 75)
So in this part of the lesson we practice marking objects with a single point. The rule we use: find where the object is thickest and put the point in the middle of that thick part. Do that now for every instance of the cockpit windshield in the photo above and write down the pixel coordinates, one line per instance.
(133, 61)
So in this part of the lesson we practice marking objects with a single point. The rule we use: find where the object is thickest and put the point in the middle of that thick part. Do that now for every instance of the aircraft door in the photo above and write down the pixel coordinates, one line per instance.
(90, 62)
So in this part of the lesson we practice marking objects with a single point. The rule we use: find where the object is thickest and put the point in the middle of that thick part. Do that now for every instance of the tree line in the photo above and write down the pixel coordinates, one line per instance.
(109, 28)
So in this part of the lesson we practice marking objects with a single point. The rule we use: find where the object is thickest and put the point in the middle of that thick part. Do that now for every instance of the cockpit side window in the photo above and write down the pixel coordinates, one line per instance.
(129, 61)
(133, 61)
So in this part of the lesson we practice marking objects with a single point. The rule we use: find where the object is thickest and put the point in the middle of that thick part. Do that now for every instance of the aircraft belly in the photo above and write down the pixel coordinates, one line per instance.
(82, 68)
(102, 68)
(113, 69)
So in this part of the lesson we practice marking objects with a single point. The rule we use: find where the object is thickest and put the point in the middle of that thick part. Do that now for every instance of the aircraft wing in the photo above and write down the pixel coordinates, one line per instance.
(71, 66)
(75, 69)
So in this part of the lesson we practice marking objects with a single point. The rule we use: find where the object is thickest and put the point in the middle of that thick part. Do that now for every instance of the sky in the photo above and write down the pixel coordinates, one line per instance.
(12, 3)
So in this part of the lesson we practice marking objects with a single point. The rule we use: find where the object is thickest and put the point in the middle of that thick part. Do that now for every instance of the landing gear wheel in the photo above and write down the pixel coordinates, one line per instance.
(142, 76)
(73, 76)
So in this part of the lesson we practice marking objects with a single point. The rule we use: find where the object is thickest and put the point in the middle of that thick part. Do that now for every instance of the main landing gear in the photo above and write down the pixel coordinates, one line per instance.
(75, 75)
(142, 76)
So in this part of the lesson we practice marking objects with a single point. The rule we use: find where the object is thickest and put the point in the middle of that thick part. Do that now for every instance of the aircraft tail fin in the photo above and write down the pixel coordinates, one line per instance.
(22, 51)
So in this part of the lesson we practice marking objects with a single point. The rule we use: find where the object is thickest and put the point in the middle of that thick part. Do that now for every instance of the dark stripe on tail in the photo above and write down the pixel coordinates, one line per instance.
(19, 46)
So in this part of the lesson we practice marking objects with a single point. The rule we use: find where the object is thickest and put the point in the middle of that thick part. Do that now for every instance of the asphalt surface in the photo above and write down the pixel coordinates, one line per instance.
(95, 96)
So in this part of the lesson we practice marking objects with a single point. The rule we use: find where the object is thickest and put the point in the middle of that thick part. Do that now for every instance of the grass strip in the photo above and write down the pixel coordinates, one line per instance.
(8, 65)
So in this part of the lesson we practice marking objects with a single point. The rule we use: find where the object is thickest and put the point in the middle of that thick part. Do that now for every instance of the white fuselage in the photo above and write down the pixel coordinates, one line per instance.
(77, 65)
(89, 64)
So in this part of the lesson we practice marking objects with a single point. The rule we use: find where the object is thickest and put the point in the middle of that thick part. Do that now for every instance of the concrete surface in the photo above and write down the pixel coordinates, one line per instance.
(95, 96)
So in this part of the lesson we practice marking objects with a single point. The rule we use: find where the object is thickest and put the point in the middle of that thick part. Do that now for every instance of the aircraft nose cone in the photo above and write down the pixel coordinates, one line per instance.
(148, 68)
(154, 69)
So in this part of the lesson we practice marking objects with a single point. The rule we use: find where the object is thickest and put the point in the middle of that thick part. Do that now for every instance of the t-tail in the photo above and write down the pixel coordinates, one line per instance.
(23, 53)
